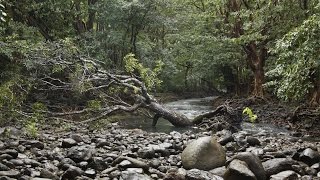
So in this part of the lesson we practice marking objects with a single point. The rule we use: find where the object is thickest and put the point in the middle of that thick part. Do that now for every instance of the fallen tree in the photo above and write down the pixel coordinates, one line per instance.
(64, 85)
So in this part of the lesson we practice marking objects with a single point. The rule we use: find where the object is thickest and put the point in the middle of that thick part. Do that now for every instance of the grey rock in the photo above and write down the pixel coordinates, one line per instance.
(32, 162)
(8, 164)
(316, 166)
(196, 174)
(102, 142)
(131, 175)
(146, 153)
(3, 167)
(309, 156)
(310, 171)
(154, 163)
(256, 151)
(161, 148)
(83, 164)
(11, 152)
(253, 162)
(80, 153)
(68, 143)
(232, 146)
(135, 170)
(72, 172)
(17, 162)
(176, 174)
(219, 171)
(308, 177)
(252, 141)
(274, 166)
(204, 153)
(238, 169)
(134, 163)
(285, 175)
(98, 163)
(66, 163)
(77, 137)
(106, 172)
(10, 173)
(90, 173)
(228, 138)
(5, 156)
(115, 174)
(44, 173)
(35, 144)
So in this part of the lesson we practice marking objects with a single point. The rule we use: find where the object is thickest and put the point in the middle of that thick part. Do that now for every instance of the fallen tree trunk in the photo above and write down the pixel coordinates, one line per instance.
(175, 118)
(109, 92)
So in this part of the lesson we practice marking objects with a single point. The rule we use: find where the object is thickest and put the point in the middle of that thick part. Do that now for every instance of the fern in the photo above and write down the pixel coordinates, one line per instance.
(252, 117)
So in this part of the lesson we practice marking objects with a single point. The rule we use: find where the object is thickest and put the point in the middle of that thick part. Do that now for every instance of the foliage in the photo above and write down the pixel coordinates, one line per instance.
(297, 69)
(149, 77)
(252, 117)
(94, 104)
(35, 119)
(3, 14)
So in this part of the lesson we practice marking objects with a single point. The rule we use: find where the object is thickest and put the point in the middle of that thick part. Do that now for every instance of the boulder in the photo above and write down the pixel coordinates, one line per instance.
(204, 153)
(238, 170)
(252, 141)
(81, 153)
(196, 174)
(68, 143)
(146, 153)
(10, 173)
(289, 175)
(309, 156)
(274, 166)
(253, 162)
(133, 175)
(72, 172)
(219, 171)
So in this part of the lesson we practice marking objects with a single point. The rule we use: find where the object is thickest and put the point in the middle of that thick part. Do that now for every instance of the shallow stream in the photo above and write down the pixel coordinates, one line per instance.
(191, 108)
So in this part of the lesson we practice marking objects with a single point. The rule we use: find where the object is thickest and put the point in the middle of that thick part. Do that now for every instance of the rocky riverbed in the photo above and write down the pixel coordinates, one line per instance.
(116, 153)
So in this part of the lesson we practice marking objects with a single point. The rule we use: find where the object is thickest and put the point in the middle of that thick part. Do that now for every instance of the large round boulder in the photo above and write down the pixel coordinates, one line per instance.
(204, 153)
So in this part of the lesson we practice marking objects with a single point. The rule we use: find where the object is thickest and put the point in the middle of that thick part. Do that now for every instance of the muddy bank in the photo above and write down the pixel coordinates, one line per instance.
(299, 118)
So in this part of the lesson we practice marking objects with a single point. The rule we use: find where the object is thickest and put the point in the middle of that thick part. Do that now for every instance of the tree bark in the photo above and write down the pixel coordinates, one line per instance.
(256, 60)
(175, 118)
(315, 94)
(92, 15)
(80, 26)
(258, 81)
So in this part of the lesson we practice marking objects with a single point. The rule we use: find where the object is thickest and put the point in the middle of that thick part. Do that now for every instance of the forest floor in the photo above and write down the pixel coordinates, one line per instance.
(300, 118)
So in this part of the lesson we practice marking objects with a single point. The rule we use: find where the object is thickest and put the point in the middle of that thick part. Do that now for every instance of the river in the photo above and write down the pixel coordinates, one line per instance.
(191, 108)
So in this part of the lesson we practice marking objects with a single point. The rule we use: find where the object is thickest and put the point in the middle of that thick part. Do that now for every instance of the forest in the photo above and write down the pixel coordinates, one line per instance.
(70, 65)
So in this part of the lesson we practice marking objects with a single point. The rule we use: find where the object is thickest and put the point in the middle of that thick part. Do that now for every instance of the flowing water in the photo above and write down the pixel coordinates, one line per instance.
(191, 108)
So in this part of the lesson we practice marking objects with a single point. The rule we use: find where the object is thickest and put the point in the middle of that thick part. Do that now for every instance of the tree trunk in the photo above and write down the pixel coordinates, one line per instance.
(315, 97)
(92, 15)
(175, 118)
(256, 60)
(80, 26)
(258, 81)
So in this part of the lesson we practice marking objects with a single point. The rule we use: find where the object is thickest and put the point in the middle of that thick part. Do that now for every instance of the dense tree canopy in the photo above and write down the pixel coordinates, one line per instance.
(241, 47)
